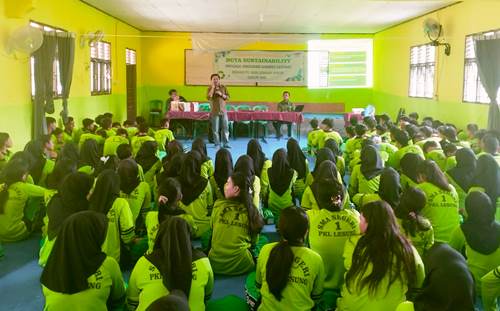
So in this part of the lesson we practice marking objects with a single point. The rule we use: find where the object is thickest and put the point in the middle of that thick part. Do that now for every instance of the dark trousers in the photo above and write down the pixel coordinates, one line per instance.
(277, 127)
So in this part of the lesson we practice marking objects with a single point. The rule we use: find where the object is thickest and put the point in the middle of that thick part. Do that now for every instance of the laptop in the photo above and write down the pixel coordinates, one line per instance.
(299, 108)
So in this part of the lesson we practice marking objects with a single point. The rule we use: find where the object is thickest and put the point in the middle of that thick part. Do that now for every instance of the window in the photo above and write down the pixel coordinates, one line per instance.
(473, 88)
(422, 71)
(341, 63)
(100, 68)
(57, 87)
(130, 58)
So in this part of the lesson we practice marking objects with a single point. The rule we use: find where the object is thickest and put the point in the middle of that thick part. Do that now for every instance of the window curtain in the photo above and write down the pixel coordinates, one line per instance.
(488, 63)
(43, 100)
(66, 55)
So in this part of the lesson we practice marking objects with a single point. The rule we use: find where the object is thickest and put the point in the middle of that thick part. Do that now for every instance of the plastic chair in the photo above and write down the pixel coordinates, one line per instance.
(205, 107)
(248, 124)
(257, 124)
(155, 110)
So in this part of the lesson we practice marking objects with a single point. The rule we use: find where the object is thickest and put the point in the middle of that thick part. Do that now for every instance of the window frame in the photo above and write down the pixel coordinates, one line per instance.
(135, 56)
(100, 63)
(424, 66)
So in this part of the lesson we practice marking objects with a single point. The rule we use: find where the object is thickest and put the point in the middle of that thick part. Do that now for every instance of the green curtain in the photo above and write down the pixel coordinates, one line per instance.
(66, 55)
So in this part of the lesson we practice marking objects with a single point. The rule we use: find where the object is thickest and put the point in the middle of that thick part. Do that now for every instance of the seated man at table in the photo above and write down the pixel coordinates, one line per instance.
(284, 105)
(173, 96)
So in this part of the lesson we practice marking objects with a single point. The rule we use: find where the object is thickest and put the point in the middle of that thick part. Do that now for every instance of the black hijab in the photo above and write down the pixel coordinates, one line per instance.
(389, 188)
(371, 162)
(192, 184)
(129, 175)
(223, 167)
(280, 174)
(254, 150)
(146, 156)
(244, 165)
(71, 198)
(106, 191)
(487, 176)
(448, 284)
(176, 300)
(324, 154)
(200, 146)
(326, 170)
(173, 148)
(35, 150)
(409, 165)
(463, 172)
(480, 229)
(89, 154)
(296, 158)
(62, 168)
(171, 168)
(333, 146)
(69, 151)
(173, 254)
(77, 253)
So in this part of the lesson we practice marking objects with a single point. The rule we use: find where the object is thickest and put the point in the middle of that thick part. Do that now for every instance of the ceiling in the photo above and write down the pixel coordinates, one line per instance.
(267, 16)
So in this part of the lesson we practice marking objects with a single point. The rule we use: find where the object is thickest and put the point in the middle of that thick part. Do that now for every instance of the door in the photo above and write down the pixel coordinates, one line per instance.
(131, 92)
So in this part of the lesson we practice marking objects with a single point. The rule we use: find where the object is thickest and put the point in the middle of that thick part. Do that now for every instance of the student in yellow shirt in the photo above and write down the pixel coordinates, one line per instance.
(164, 135)
(299, 163)
(408, 167)
(290, 276)
(365, 178)
(381, 264)
(432, 151)
(462, 175)
(244, 165)
(490, 289)
(223, 169)
(70, 151)
(69, 128)
(89, 157)
(324, 154)
(173, 264)
(354, 143)
(328, 133)
(312, 136)
(147, 158)
(171, 168)
(490, 144)
(62, 168)
(339, 160)
(78, 273)
(112, 142)
(40, 166)
(402, 141)
(236, 224)
(207, 166)
(261, 165)
(141, 137)
(281, 180)
(487, 179)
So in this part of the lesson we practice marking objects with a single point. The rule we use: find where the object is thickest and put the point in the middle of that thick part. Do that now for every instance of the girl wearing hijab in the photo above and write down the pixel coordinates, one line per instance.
(174, 301)
(415, 227)
(281, 180)
(207, 166)
(62, 168)
(327, 170)
(150, 163)
(15, 224)
(479, 235)
(290, 276)
(462, 175)
(441, 207)
(261, 165)
(70, 151)
(171, 168)
(40, 166)
(487, 179)
(365, 178)
(323, 154)
(89, 157)
(299, 163)
(78, 273)
(106, 200)
(71, 199)
(381, 264)
(389, 190)
(223, 169)
(408, 167)
(330, 227)
(169, 195)
(244, 165)
(172, 148)
(236, 224)
(197, 197)
(173, 265)
(339, 160)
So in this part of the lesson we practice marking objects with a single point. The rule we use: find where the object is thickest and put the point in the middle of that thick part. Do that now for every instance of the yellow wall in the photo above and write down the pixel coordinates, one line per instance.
(391, 61)
(77, 17)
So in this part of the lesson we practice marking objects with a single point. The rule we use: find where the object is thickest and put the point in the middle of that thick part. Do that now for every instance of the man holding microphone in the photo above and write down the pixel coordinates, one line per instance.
(217, 94)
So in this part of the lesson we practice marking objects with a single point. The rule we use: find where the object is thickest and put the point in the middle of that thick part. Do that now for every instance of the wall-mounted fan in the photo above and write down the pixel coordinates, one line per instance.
(434, 30)
(91, 37)
(25, 40)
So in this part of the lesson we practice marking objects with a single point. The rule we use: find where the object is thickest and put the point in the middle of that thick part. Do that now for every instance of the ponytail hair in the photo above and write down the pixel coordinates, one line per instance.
(12, 173)
(255, 221)
(170, 188)
(293, 226)
(433, 174)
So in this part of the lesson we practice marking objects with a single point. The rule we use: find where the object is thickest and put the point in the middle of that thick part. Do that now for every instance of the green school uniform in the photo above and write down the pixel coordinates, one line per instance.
(200, 209)
(497, 215)
(139, 200)
(76, 135)
(441, 210)
(12, 226)
(395, 159)
(146, 285)
(383, 298)
(132, 131)
(461, 193)
(451, 162)
(490, 289)
(340, 164)
(149, 176)
(328, 232)
(305, 282)
(67, 137)
(45, 251)
(218, 194)
(388, 148)
(310, 178)
(278, 202)
(352, 145)
(87, 169)
(231, 242)
(85, 136)
(264, 179)
(324, 136)
(105, 287)
(256, 192)
(479, 264)
(120, 227)
(437, 156)
(110, 133)
(312, 140)
(309, 201)
(48, 168)
(207, 169)
(359, 184)
(300, 184)
(112, 143)
(163, 136)
(406, 181)
(423, 240)
(152, 226)
(360, 199)
(137, 141)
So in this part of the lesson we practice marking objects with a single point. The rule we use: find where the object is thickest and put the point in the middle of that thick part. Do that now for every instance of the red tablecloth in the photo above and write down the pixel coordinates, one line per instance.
(293, 117)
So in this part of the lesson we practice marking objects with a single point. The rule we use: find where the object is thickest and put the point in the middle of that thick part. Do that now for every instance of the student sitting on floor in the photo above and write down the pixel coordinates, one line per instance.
(408, 167)
(365, 177)
(197, 197)
(281, 180)
(324, 154)
(147, 158)
(164, 135)
(207, 166)
(462, 175)
(244, 165)
(339, 160)
(381, 264)
(173, 264)
(432, 151)
(223, 169)
(312, 136)
(328, 133)
(40, 166)
(141, 137)
(261, 165)
(389, 190)
(489, 144)
(450, 151)
(236, 224)
(62, 168)
(176, 300)
(487, 179)
(106, 200)
(89, 157)
(124, 152)
(290, 276)
(354, 143)
(78, 273)
(330, 227)
(299, 163)
(111, 143)
(71, 198)
(442, 200)
(402, 141)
